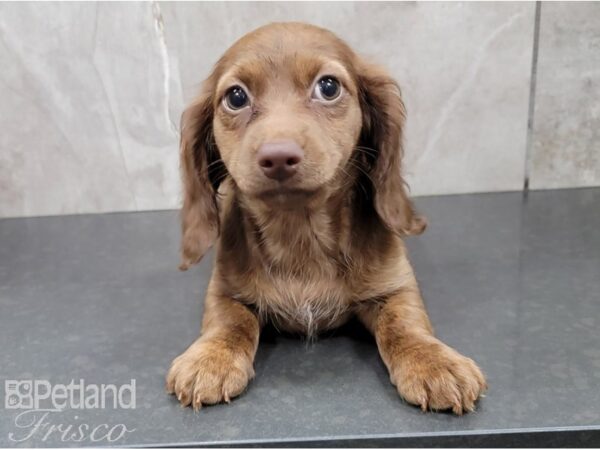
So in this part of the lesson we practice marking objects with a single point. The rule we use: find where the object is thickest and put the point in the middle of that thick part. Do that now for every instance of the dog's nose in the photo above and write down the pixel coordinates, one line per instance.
(280, 159)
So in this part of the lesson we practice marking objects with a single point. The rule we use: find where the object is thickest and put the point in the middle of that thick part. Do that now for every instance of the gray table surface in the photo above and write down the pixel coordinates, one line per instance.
(512, 282)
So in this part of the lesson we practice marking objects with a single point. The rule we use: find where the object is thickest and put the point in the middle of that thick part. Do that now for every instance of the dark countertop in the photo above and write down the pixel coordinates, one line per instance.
(512, 282)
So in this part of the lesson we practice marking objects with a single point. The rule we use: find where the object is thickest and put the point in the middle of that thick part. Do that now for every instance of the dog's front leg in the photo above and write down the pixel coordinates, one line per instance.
(219, 364)
(425, 371)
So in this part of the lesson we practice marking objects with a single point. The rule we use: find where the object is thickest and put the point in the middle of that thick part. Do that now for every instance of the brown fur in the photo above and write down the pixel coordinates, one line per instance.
(327, 245)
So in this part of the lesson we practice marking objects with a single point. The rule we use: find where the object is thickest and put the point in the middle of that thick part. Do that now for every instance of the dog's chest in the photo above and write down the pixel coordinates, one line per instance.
(294, 274)
(307, 304)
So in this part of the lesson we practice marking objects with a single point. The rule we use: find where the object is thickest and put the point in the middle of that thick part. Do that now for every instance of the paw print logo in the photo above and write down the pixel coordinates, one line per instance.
(18, 394)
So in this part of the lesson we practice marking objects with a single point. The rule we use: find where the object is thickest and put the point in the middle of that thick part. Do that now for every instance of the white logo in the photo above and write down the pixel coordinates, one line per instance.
(18, 394)
(41, 394)
(43, 403)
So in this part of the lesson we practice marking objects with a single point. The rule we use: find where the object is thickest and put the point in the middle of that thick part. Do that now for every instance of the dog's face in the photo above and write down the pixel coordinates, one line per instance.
(290, 113)
(287, 113)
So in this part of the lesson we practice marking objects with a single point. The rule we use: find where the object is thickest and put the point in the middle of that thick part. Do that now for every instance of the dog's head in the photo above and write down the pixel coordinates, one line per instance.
(290, 113)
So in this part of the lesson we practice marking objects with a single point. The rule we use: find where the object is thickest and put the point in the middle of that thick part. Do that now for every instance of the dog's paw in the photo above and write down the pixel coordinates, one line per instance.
(207, 373)
(434, 376)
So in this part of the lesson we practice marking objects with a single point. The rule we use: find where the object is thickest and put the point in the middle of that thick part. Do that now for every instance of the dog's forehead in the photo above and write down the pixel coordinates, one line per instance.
(284, 38)
(278, 50)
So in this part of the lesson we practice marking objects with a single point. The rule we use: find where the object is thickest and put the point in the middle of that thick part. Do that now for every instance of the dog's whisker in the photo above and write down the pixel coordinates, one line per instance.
(366, 150)
(216, 161)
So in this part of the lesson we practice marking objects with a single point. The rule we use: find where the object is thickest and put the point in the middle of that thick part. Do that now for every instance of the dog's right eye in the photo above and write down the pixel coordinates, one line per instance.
(327, 89)
(236, 98)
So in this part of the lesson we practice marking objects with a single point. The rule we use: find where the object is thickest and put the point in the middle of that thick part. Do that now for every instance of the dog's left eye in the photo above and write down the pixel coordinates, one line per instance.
(327, 89)
(236, 98)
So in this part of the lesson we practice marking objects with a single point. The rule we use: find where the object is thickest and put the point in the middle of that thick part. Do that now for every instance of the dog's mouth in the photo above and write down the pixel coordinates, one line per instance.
(284, 192)
(297, 190)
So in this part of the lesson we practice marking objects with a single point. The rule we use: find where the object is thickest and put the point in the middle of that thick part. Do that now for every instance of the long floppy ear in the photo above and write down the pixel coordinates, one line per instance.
(202, 171)
(383, 123)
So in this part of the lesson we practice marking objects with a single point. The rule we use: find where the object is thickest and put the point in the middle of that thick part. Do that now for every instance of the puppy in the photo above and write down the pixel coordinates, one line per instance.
(291, 161)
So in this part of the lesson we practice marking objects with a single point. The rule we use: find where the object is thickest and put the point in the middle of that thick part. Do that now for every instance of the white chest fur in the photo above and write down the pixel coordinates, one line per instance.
(307, 305)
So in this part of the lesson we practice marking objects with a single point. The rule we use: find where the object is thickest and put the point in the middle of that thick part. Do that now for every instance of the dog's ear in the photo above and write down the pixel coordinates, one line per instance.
(202, 172)
(383, 116)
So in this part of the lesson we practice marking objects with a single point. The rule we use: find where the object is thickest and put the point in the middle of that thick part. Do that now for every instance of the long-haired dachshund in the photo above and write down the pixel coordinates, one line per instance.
(291, 160)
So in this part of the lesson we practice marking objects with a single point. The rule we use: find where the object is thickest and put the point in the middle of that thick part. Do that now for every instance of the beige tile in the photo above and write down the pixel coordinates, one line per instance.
(84, 113)
(566, 139)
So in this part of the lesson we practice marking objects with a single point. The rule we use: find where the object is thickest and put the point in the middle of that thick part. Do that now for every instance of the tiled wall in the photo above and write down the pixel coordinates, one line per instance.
(92, 93)
(566, 120)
